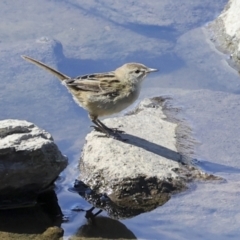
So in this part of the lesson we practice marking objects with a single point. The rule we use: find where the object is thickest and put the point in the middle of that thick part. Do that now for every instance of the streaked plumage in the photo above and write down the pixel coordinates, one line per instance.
(103, 94)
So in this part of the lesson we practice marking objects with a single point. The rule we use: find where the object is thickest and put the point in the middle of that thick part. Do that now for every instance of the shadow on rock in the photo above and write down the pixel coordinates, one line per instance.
(153, 148)
(43, 220)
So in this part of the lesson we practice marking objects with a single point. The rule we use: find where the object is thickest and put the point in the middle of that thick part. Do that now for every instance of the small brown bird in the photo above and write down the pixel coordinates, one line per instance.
(103, 94)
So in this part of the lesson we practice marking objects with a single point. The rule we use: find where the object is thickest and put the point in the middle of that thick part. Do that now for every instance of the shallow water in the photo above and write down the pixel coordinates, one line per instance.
(78, 38)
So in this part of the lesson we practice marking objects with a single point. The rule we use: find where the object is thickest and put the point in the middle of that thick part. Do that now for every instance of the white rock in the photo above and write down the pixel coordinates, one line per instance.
(146, 166)
(230, 17)
(29, 161)
(226, 30)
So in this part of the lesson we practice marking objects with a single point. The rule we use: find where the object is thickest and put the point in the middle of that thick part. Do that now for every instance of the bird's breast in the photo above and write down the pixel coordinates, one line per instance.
(121, 101)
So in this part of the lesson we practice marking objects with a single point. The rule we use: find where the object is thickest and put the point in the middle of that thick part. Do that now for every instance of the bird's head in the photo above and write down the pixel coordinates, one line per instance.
(133, 72)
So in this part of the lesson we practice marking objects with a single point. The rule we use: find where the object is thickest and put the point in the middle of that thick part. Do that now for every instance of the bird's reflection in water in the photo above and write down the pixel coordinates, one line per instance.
(103, 228)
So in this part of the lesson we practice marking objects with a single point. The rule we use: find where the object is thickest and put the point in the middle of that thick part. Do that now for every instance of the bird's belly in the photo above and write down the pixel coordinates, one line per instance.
(107, 106)
(103, 105)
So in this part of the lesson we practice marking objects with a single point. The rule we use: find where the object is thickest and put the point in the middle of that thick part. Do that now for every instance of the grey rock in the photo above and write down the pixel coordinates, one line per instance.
(29, 161)
(145, 170)
(226, 31)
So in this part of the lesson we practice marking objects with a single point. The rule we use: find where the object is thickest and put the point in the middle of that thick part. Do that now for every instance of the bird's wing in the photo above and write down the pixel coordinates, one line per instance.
(102, 83)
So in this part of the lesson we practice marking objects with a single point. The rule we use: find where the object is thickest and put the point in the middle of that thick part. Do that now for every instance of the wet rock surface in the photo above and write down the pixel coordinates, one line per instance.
(141, 173)
(30, 162)
(226, 31)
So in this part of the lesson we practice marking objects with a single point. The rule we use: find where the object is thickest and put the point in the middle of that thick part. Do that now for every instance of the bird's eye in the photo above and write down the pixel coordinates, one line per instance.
(137, 71)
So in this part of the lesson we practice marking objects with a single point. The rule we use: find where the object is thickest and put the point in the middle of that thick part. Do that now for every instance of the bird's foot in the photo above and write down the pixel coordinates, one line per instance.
(110, 133)
(90, 215)
(115, 130)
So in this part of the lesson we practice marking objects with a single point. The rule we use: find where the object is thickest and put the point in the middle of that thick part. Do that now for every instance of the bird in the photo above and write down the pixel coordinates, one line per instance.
(103, 94)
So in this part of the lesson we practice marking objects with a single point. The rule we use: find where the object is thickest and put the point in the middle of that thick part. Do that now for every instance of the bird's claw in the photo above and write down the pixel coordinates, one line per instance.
(111, 133)
(115, 130)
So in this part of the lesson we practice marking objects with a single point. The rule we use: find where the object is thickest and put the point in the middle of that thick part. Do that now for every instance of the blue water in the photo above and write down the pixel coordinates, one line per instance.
(79, 38)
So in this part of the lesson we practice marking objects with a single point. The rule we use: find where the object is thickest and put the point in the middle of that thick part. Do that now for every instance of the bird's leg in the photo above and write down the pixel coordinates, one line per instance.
(99, 126)
(90, 215)
(114, 130)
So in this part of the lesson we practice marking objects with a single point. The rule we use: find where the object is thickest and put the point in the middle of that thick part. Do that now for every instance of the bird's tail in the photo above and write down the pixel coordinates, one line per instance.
(59, 75)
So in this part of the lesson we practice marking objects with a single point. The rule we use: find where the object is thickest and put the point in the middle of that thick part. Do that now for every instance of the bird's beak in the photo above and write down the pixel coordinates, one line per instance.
(152, 70)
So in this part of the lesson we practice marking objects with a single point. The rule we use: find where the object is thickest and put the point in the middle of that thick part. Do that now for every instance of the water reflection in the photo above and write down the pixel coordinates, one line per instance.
(104, 227)
(33, 220)
(44, 221)
(123, 208)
